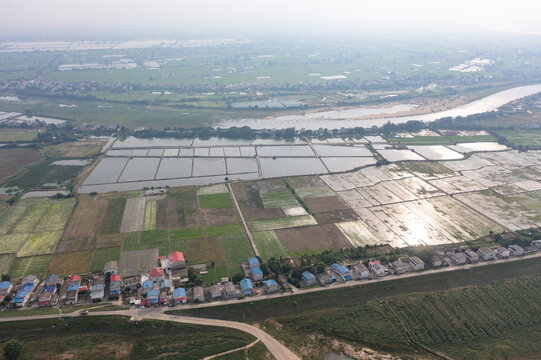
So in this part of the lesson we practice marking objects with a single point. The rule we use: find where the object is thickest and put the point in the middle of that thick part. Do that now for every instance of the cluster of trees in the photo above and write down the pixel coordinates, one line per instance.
(55, 135)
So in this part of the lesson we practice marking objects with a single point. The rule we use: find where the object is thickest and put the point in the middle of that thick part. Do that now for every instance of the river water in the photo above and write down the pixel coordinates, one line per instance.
(342, 118)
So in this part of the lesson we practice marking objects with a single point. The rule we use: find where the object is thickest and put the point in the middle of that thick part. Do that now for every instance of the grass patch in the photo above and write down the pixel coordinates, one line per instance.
(37, 174)
(279, 200)
(12, 243)
(57, 216)
(70, 263)
(236, 248)
(40, 243)
(101, 256)
(225, 229)
(281, 223)
(190, 233)
(5, 263)
(314, 192)
(131, 238)
(29, 266)
(154, 236)
(197, 251)
(269, 245)
(214, 275)
(530, 138)
(215, 201)
(113, 217)
(17, 135)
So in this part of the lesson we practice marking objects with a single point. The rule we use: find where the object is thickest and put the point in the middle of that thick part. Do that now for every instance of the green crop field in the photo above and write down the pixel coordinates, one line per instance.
(40, 243)
(214, 274)
(113, 218)
(236, 248)
(101, 256)
(131, 238)
(531, 138)
(314, 191)
(167, 248)
(279, 200)
(154, 236)
(281, 223)
(439, 140)
(5, 263)
(224, 229)
(269, 245)
(31, 217)
(150, 215)
(190, 233)
(17, 135)
(215, 201)
(30, 265)
(10, 244)
(57, 216)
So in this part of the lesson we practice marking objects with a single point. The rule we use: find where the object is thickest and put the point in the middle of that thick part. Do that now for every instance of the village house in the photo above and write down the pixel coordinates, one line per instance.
(114, 286)
(163, 298)
(110, 268)
(502, 252)
(486, 253)
(179, 295)
(22, 296)
(164, 285)
(341, 271)
(72, 295)
(198, 294)
(156, 274)
(472, 256)
(530, 249)
(97, 291)
(416, 263)
(460, 258)
(361, 270)
(215, 292)
(325, 278)
(5, 289)
(436, 261)
(174, 264)
(516, 250)
(146, 287)
(308, 278)
(398, 266)
(131, 284)
(229, 290)
(271, 286)
(257, 273)
(246, 287)
(46, 296)
(378, 269)
(153, 297)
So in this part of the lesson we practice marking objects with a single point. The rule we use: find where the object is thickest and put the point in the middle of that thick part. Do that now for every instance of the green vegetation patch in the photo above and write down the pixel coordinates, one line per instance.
(225, 229)
(92, 337)
(40, 243)
(314, 192)
(57, 216)
(5, 263)
(427, 168)
(150, 215)
(154, 236)
(530, 138)
(440, 140)
(132, 238)
(113, 217)
(30, 265)
(37, 174)
(279, 200)
(281, 223)
(236, 248)
(12, 243)
(269, 245)
(215, 201)
(17, 135)
(101, 256)
(190, 233)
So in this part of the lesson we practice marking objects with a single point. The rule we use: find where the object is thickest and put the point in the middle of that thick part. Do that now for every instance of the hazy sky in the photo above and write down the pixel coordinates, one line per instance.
(248, 16)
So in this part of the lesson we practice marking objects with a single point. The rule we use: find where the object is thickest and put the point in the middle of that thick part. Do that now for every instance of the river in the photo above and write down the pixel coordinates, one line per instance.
(342, 118)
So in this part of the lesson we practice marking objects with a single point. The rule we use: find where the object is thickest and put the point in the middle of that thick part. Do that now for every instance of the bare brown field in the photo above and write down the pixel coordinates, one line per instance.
(109, 240)
(312, 238)
(74, 149)
(325, 204)
(332, 217)
(215, 217)
(216, 253)
(71, 263)
(11, 160)
(251, 204)
(77, 244)
(86, 218)
(197, 250)
(181, 211)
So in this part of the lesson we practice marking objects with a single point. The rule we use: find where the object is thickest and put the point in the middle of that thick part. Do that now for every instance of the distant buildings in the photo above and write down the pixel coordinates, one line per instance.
(97, 290)
(378, 269)
(459, 258)
(486, 254)
(342, 271)
(246, 287)
(308, 278)
(416, 263)
(229, 290)
(271, 286)
(257, 273)
(516, 250)
(198, 294)
(179, 295)
(398, 266)
(472, 256)
(361, 271)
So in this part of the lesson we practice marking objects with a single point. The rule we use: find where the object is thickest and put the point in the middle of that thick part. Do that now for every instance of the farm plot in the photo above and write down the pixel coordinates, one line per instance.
(33, 265)
(359, 234)
(6, 261)
(197, 251)
(512, 212)
(225, 229)
(178, 210)
(457, 184)
(213, 189)
(326, 204)
(472, 163)
(137, 262)
(419, 188)
(436, 152)
(508, 159)
(104, 241)
(101, 256)
(12, 160)
(311, 239)
(428, 170)
(31, 217)
(381, 228)
(469, 220)
(150, 215)
(57, 216)
(279, 200)
(188, 233)
(70, 263)
(154, 236)
(249, 199)
(113, 217)
(393, 155)
(215, 201)
(10, 244)
(10, 217)
(40, 243)
(397, 227)
(76, 244)
(133, 216)
(86, 218)
(236, 248)
(380, 194)
(269, 245)
(331, 217)
(314, 191)
(281, 223)
(217, 217)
